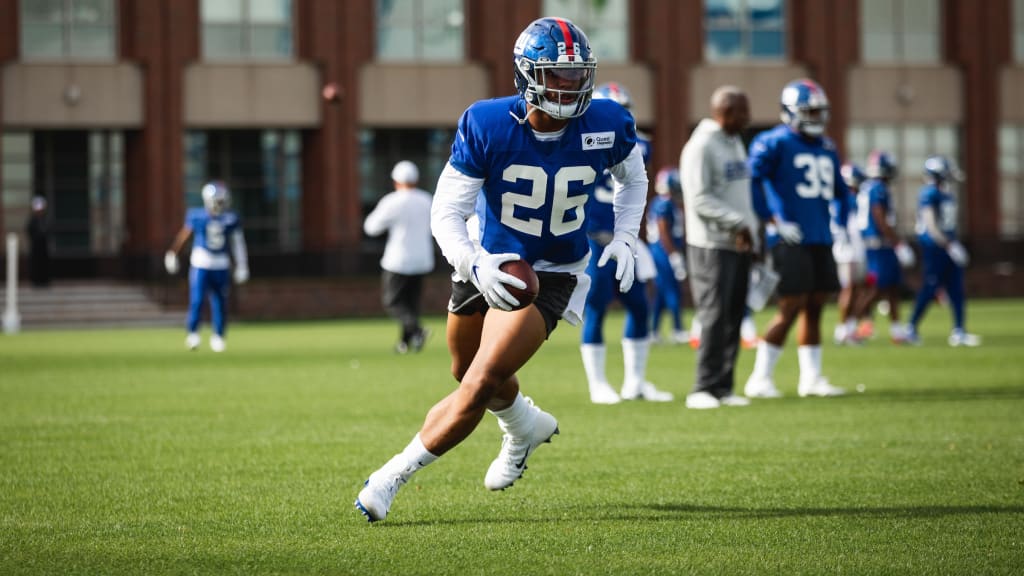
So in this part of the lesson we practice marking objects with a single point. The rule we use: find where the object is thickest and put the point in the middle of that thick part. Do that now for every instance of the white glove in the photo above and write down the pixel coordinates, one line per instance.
(171, 262)
(789, 232)
(625, 267)
(958, 254)
(488, 278)
(678, 263)
(241, 274)
(905, 255)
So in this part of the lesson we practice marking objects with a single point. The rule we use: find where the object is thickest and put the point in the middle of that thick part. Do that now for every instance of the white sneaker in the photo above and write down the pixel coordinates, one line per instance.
(680, 337)
(819, 387)
(734, 401)
(379, 490)
(645, 391)
(758, 387)
(511, 461)
(962, 338)
(192, 340)
(603, 393)
(217, 343)
(702, 401)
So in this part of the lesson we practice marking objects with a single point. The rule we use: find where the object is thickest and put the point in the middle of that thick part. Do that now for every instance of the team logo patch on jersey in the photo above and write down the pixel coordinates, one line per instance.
(598, 140)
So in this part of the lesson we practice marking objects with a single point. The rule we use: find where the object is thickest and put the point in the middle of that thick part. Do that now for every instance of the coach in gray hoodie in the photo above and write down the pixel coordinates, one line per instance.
(721, 232)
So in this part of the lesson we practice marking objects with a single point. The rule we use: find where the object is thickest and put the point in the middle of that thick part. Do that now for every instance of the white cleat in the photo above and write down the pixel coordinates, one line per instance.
(379, 490)
(192, 341)
(645, 391)
(702, 401)
(819, 387)
(959, 338)
(511, 461)
(734, 401)
(603, 393)
(680, 337)
(757, 387)
(217, 343)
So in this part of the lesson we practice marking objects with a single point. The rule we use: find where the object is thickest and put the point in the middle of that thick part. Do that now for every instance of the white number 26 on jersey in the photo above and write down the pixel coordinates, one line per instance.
(566, 212)
(819, 176)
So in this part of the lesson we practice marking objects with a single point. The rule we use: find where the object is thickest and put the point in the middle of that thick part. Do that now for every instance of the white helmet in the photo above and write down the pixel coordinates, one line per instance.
(216, 197)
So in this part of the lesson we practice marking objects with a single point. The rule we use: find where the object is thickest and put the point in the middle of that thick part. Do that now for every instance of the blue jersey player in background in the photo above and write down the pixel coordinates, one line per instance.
(216, 234)
(795, 176)
(944, 257)
(666, 236)
(604, 288)
(525, 166)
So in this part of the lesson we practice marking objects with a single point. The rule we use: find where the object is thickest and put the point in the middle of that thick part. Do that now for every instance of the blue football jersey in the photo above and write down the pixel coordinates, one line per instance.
(535, 192)
(797, 178)
(211, 233)
(873, 193)
(663, 208)
(945, 207)
(600, 214)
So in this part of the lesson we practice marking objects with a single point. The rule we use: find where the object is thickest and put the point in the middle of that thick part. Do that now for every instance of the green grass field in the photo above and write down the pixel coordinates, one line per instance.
(122, 453)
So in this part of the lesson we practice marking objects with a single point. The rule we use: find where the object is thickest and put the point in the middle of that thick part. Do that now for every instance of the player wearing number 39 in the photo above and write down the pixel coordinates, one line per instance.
(216, 230)
(525, 165)
(795, 175)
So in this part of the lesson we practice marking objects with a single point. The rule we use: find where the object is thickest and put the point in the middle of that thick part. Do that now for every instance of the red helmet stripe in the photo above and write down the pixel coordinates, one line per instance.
(567, 35)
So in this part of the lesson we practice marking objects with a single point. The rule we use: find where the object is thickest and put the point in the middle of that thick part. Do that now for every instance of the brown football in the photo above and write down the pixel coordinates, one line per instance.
(521, 269)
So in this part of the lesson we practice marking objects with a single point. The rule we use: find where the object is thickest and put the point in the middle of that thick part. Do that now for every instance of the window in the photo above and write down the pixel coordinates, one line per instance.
(900, 31)
(910, 145)
(744, 30)
(417, 30)
(1011, 181)
(1018, 30)
(68, 30)
(247, 29)
(381, 149)
(262, 168)
(605, 22)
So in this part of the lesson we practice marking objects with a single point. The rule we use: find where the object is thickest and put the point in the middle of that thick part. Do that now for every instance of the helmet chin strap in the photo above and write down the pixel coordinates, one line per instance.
(529, 110)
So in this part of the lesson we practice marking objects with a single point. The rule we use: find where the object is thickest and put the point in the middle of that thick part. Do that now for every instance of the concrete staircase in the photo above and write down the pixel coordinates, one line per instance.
(90, 304)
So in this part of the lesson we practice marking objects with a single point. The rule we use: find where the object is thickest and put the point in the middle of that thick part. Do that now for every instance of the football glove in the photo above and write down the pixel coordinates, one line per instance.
(905, 254)
(486, 275)
(678, 263)
(171, 262)
(625, 267)
(241, 274)
(958, 254)
(789, 232)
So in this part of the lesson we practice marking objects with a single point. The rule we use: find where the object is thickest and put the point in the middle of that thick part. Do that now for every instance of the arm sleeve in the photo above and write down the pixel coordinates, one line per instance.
(629, 195)
(762, 166)
(931, 225)
(238, 250)
(453, 204)
(697, 172)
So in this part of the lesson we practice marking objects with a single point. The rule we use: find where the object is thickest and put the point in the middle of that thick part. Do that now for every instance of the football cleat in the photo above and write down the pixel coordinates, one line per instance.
(603, 393)
(645, 391)
(217, 344)
(819, 386)
(734, 401)
(511, 461)
(758, 387)
(379, 490)
(961, 338)
(192, 340)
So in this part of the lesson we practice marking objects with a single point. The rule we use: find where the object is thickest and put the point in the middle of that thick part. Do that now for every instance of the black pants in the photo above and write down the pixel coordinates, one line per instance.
(401, 295)
(719, 280)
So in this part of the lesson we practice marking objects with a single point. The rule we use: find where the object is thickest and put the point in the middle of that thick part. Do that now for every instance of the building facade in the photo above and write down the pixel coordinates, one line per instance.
(118, 110)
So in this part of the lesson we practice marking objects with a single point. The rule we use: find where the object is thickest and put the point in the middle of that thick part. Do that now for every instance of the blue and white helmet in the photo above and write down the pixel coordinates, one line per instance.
(614, 91)
(555, 47)
(667, 182)
(938, 169)
(216, 197)
(805, 107)
(881, 165)
(853, 176)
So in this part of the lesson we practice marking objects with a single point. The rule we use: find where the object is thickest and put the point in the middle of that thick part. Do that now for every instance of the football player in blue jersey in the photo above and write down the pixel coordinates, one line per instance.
(886, 254)
(794, 171)
(943, 256)
(848, 251)
(603, 289)
(666, 238)
(525, 165)
(217, 237)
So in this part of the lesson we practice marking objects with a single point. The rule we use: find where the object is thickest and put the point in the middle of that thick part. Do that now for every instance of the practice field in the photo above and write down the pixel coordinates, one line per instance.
(122, 453)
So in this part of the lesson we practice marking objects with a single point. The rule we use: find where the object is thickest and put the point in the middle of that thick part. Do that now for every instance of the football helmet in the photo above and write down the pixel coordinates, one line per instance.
(805, 107)
(938, 169)
(614, 91)
(667, 182)
(852, 175)
(216, 197)
(881, 165)
(554, 67)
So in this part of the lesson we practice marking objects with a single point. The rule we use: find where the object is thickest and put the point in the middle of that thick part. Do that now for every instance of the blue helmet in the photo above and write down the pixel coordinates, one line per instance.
(852, 175)
(805, 107)
(216, 197)
(938, 169)
(550, 54)
(614, 91)
(881, 165)
(667, 182)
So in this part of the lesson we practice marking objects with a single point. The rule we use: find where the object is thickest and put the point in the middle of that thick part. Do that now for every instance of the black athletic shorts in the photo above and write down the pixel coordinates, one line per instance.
(556, 289)
(804, 268)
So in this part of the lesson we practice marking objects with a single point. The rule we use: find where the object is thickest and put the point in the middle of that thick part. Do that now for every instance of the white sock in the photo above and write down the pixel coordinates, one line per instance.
(594, 363)
(634, 359)
(748, 330)
(897, 331)
(810, 362)
(766, 359)
(417, 455)
(516, 420)
(851, 325)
